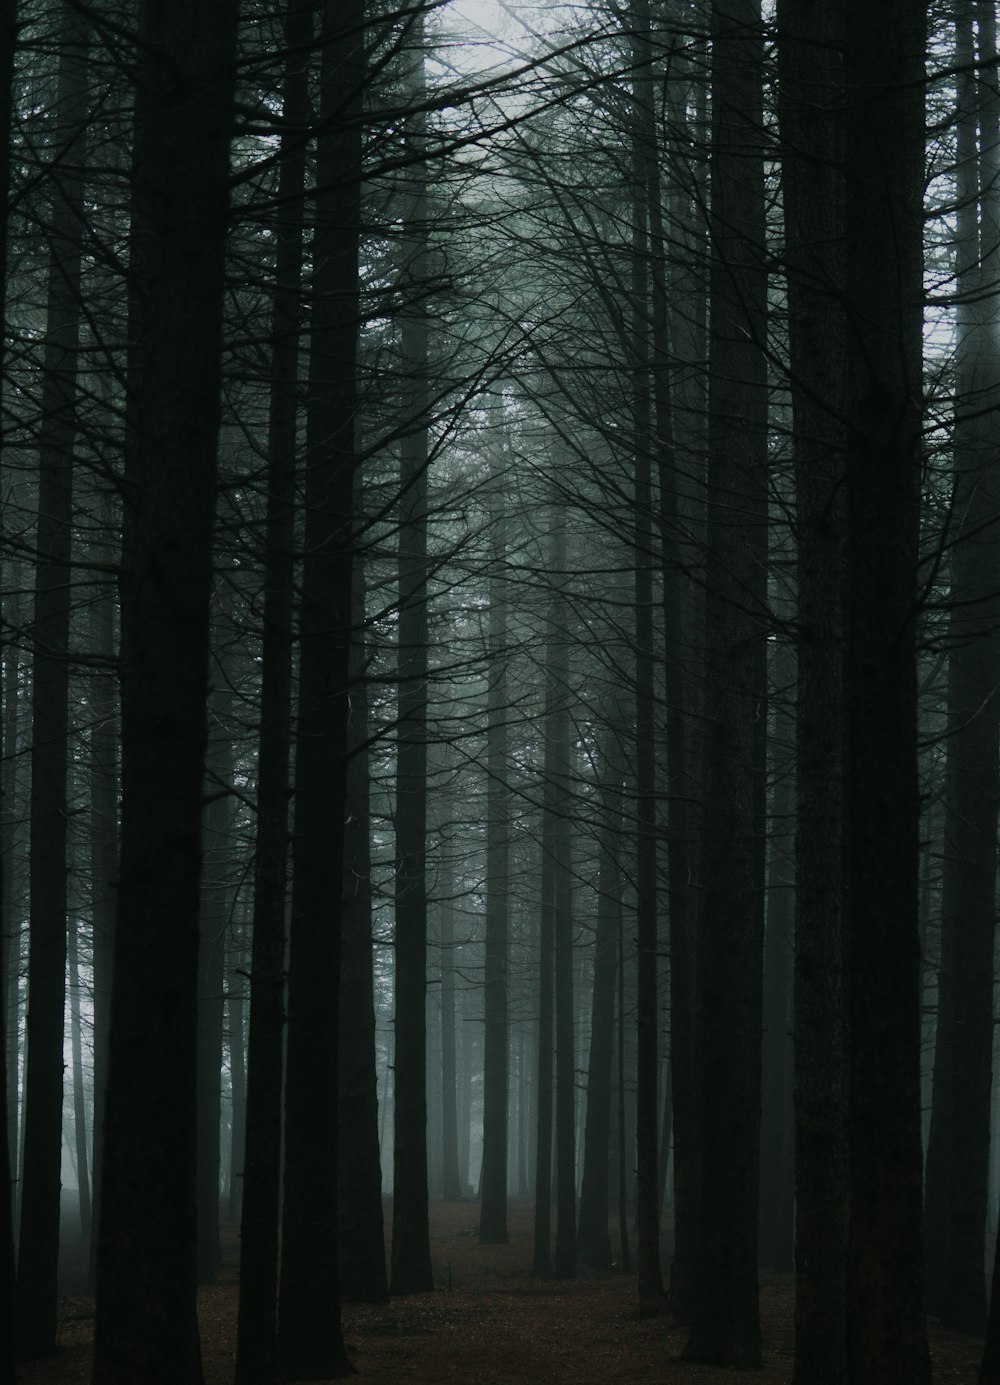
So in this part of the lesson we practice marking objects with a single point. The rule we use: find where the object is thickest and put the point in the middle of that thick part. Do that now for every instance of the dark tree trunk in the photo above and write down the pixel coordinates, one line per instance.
(8, 34)
(146, 1328)
(411, 1270)
(959, 1140)
(493, 1211)
(310, 1336)
(777, 1206)
(542, 1254)
(215, 914)
(256, 1337)
(725, 1317)
(680, 521)
(453, 1188)
(79, 1094)
(235, 1022)
(38, 1246)
(884, 74)
(7, 1277)
(625, 1254)
(362, 1233)
(811, 79)
(103, 859)
(557, 903)
(593, 1237)
(645, 191)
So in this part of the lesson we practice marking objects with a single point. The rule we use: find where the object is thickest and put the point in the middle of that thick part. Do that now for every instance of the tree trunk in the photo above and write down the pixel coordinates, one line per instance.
(8, 32)
(146, 1328)
(884, 181)
(777, 1204)
(593, 1236)
(645, 190)
(453, 1189)
(38, 1247)
(103, 856)
(725, 1319)
(310, 1335)
(810, 75)
(959, 1140)
(493, 1211)
(235, 1023)
(362, 1233)
(215, 915)
(79, 1094)
(256, 1334)
(411, 1270)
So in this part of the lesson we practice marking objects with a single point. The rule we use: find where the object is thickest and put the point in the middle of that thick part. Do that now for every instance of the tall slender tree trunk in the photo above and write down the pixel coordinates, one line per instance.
(235, 1024)
(593, 1237)
(493, 1211)
(557, 901)
(256, 1334)
(8, 34)
(959, 1140)
(646, 188)
(104, 779)
(453, 1188)
(725, 1318)
(809, 41)
(362, 1235)
(214, 922)
(79, 1090)
(146, 1328)
(38, 1249)
(310, 1335)
(411, 1270)
(884, 181)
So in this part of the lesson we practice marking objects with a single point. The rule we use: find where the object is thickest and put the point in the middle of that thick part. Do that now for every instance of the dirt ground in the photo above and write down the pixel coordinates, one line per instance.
(490, 1323)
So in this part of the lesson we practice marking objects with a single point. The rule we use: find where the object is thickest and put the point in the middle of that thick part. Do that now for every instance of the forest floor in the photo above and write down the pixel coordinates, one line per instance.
(489, 1322)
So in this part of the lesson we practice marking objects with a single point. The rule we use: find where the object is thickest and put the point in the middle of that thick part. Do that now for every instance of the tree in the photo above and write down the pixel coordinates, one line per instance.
(725, 1324)
(812, 197)
(310, 1336)
(146, 1327)
(38, 1245)
(493, 1213)
(8, 35)
(411, 1270)
(959, 1138)
(256, 1345)
(883, 296)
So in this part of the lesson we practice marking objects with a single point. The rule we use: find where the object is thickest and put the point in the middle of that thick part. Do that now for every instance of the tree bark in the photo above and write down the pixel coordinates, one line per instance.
(310, 1335)
(362, 1234)
(884, 181)
(257, 1323)
(411, 1270)
(38, 1244)
(811, 133)
(146, 1328)
(493, 1210)
(593, 1236)
(725, 1318)
(959, 1138)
